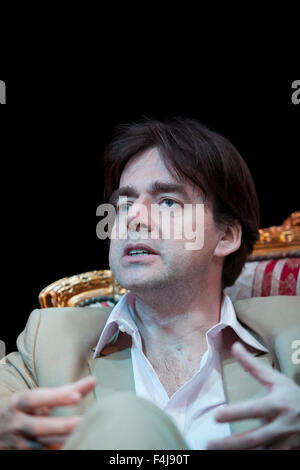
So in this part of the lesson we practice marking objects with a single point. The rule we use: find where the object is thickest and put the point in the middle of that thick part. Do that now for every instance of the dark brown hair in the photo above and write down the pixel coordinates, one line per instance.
(207, 159)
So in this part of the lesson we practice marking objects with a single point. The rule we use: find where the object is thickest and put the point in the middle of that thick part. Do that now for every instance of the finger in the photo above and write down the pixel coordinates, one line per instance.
(53, 446)
(85, 385)
(52, 397)
(18, 443)
(29, 402)
(52, 442)
(255, 438)
(37, 427)
(264, 408)
(43, 411)
(262, 372)
(35, 445)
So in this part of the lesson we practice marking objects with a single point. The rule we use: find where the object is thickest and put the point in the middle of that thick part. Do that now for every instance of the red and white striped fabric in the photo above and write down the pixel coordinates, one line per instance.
(267, 278)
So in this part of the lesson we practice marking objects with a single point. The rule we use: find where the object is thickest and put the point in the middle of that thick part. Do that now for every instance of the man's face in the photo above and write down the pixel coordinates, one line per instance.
(173, 262)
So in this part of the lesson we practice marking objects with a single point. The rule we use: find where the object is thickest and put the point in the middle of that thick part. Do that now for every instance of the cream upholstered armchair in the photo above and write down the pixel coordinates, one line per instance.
(273, 268)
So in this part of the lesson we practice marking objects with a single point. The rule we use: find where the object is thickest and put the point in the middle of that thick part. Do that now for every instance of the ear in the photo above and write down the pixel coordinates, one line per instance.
(230, 239)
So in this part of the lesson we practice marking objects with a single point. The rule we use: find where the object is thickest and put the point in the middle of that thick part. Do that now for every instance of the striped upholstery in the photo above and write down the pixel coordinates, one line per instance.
(267, 278)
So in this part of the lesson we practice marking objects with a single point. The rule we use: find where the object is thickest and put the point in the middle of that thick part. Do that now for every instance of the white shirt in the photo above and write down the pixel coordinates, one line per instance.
(193, 405)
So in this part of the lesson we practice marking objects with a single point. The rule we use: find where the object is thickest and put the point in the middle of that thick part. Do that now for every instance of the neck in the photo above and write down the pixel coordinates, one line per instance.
(168, 321)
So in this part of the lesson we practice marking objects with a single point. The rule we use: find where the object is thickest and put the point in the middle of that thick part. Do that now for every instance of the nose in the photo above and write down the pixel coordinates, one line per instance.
(139, 217)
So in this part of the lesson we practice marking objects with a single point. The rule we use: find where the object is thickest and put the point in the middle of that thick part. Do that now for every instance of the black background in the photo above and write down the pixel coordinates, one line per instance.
(53, 131)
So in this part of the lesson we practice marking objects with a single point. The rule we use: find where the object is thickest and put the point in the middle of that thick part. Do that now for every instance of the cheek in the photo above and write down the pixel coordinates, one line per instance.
(210, 237)
(114, 249)
(210, 231)
(174, 252)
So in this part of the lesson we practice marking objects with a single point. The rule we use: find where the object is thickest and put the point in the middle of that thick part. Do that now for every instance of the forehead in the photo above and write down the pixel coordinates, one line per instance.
(145, 167)
(147, 173)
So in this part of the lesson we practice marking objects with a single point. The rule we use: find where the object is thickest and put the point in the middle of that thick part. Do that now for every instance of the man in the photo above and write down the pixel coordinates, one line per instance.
(165, 370)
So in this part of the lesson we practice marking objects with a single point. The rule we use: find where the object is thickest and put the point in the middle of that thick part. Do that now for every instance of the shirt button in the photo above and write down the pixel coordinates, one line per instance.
(122, 328)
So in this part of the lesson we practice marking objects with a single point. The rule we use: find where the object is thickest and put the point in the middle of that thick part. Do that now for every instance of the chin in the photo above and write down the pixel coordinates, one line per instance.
(136, 283)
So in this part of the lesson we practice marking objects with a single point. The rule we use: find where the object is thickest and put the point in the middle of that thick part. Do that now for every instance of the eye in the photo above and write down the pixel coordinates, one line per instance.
(123, 207)
(170, 202)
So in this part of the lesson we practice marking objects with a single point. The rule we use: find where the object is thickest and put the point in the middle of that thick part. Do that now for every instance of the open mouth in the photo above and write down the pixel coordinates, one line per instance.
(139, 253)
(138, 249)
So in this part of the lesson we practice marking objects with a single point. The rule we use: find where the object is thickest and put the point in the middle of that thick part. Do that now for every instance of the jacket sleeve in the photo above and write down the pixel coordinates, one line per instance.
(17, 369)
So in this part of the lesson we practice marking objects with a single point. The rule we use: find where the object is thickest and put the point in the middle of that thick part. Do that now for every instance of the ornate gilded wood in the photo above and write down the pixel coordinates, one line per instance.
(81, 289)
(281, 241)
(90, 287)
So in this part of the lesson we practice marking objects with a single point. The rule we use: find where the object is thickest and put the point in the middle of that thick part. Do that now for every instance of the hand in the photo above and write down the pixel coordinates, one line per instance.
(24, 421)
(279, 410)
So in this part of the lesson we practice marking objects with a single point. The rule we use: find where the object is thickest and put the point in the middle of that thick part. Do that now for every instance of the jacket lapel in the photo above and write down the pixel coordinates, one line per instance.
(239, 385)
(112, 369)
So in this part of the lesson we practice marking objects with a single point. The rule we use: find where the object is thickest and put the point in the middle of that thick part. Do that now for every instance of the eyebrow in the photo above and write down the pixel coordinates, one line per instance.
(155, 188)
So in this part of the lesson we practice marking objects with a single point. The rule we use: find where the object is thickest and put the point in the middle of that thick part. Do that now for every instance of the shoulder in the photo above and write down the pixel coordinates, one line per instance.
(52, 348)
(271, 313)
(72, 317)
(277, 321)
(62, 325)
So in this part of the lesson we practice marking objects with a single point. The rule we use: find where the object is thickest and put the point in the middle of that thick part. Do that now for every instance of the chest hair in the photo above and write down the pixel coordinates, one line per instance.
(174, 369)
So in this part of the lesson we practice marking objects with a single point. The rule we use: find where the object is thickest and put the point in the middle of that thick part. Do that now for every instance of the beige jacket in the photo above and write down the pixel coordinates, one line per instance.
(57, 348)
